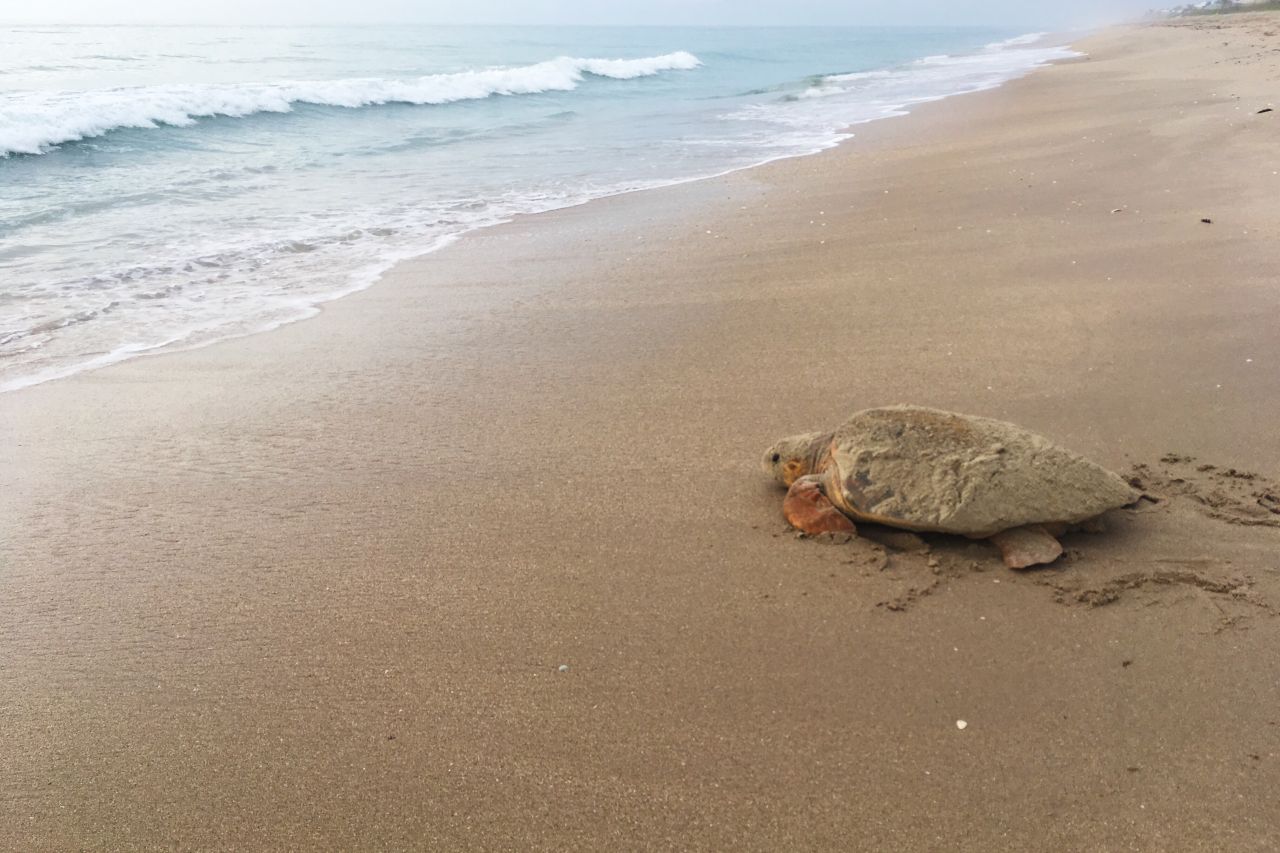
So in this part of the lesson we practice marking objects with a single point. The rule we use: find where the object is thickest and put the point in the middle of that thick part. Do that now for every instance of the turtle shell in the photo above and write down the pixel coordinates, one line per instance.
(925, 469)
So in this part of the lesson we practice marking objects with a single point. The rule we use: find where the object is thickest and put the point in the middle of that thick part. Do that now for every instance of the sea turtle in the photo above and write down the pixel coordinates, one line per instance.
(928, 470)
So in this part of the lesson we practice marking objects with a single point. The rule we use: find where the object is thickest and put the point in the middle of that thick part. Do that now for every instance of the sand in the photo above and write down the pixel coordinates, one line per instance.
(314, 589)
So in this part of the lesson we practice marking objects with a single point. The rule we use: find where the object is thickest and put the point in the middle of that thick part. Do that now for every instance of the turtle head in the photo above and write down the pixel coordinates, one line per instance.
(794, 457)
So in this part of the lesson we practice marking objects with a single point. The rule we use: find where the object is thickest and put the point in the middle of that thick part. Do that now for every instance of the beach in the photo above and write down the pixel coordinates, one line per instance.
(318, 588)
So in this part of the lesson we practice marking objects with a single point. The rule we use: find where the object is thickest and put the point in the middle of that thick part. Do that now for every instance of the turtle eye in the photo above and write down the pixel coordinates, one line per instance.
(776, 457)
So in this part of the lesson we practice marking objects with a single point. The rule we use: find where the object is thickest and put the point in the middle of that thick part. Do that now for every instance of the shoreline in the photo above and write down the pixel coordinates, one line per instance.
(314, 588)
(375, 273)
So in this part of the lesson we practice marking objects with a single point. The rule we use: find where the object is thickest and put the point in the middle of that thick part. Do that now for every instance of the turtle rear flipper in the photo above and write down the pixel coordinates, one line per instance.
(1023, 547)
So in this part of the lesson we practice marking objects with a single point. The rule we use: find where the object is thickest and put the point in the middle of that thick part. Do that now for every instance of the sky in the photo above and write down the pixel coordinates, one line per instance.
(1032, 13)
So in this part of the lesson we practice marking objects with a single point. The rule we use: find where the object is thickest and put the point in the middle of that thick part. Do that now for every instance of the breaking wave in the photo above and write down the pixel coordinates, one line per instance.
(941, 75)
(35, 123)
(1017, 41)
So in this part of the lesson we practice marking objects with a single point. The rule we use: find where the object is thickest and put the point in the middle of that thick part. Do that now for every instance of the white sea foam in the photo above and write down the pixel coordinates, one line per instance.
(868, 95)
(34, 123)
(1017, 41)
(242, 241)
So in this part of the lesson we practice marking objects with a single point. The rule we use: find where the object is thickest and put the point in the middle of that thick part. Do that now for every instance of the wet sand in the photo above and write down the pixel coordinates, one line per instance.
(312, 589)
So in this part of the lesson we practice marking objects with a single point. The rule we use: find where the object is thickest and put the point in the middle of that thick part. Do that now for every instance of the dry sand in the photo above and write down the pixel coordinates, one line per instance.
(312, 589)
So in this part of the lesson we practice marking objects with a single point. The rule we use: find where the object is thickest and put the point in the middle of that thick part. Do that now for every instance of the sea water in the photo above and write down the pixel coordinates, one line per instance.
(168, 187)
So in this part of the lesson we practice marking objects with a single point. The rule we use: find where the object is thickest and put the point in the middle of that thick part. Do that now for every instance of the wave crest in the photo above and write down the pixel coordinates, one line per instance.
(35, 123)
(946, 73)
(1017, 41)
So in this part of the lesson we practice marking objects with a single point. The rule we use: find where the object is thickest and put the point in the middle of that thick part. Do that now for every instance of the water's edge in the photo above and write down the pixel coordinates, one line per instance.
(374, 274)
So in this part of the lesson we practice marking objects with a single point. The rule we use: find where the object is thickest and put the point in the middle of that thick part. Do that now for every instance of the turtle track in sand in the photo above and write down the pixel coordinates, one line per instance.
(1089, 582)
(1182, 483)
(1224, 494)
(915, 568)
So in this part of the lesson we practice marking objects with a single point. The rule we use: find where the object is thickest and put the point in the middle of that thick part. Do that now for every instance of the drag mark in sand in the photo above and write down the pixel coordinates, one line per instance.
(1224, 494)
(902, 570)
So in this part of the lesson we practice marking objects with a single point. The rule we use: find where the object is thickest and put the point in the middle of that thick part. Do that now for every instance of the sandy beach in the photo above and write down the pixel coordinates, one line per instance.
(314, 589)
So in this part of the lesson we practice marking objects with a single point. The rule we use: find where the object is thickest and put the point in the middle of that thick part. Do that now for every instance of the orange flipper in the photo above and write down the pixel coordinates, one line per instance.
(808, 509)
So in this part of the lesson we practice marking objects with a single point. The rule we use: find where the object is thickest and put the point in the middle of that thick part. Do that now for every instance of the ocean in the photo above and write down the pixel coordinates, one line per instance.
(166, 187)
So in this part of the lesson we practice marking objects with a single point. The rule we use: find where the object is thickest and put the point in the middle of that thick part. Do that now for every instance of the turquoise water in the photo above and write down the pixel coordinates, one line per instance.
(168, 187)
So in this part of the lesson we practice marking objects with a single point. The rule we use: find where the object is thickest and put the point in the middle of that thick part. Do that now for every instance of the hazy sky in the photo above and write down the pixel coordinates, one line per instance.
(1037, 13)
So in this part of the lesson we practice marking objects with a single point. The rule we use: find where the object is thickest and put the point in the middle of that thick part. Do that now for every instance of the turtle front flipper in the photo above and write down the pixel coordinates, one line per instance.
(809, 510)
(1023, 547)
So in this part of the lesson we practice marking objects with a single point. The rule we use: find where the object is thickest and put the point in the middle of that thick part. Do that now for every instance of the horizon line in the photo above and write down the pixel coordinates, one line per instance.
(627, 25)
